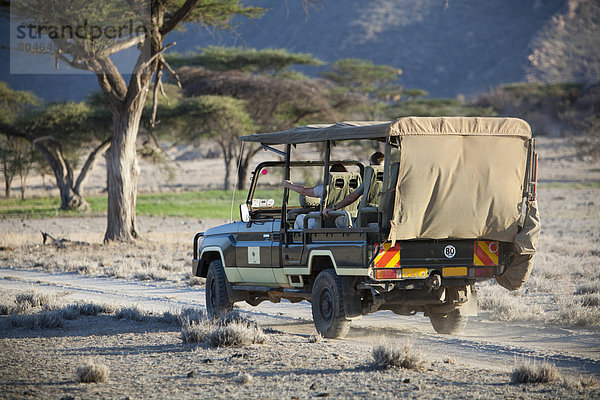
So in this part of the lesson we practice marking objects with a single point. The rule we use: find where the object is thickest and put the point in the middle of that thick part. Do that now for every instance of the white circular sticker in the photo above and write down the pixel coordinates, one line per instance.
(450, 251)
(270, 203)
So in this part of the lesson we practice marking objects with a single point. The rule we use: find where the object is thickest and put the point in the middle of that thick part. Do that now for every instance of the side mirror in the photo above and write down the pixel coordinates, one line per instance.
(244, 212)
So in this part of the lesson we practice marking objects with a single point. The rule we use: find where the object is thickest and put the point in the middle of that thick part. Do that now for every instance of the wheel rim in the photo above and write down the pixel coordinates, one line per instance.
(326, 305)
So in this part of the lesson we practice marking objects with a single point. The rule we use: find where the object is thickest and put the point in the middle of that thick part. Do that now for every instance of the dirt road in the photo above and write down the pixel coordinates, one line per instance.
(492, 345)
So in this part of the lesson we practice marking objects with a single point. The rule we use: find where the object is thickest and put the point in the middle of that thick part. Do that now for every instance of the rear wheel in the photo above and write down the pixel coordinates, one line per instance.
(328, 306)
(448, 324)
(217, 299)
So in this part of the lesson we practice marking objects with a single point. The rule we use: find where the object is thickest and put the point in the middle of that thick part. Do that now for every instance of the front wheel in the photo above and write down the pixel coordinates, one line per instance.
(448, 324)
(328, 305)
(217, 299)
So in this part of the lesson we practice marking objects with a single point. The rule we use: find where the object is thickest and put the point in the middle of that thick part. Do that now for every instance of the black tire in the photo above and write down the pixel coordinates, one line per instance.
(448, 324)
(217, 299)
(328, 305)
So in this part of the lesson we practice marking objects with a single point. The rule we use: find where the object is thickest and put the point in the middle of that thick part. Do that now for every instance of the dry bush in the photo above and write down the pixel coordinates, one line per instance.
(590, 300)
(389, 356)
(243, 378)
(180, 317)
(315, 338)
(195, 280)
(503, 305)
(33, 299)
(591, 288)
(7, 306)
(73, 311)
(190, 314)
(575, 313)
(132, 313)
(42, 320)
(229, 331)
(587, 381)
(92, 372)
(527, 372)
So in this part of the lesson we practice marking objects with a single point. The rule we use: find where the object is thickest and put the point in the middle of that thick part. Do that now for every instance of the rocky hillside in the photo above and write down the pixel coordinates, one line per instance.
(447, 47)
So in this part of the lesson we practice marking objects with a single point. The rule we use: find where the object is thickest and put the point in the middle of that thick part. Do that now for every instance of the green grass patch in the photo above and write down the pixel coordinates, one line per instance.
(205, 204)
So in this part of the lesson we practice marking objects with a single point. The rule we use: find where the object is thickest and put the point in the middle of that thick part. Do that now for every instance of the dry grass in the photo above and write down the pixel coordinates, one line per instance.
(575, 313)
(42, 320)
(92, 372)
(49, 313)
(528, 372)
(143, 261)
(229, 331)
(387, 356)
(132, 314)
(315, 338)
(502, 305)
(243, 378)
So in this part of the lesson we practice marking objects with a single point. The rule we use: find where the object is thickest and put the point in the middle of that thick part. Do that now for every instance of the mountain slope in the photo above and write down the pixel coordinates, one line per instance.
(447, 47)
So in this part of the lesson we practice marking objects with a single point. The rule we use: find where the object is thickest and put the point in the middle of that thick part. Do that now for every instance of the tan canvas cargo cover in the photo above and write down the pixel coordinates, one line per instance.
(458, 177)
(459, 186)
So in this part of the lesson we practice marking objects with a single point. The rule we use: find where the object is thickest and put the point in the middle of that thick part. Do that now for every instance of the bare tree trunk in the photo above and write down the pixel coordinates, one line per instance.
(7, 187)
(245, 164)
(122, 173)
(7, 178)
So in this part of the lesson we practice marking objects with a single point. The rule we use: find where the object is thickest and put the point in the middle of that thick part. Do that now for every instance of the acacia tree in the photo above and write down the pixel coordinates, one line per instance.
(266, 61)
(58, 132)
(13, 154)
(378, 83)
(275, 96)
(92, 52)
(220, 117)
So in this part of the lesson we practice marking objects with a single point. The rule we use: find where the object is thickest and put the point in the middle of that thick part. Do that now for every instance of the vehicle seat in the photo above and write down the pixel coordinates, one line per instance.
(307, 204)
(388, 197)
(367, 208)
(340, 185)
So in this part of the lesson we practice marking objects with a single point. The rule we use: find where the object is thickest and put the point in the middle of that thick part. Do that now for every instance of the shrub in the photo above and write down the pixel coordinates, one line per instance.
(231, 330)
(243, 378)
(132, 313)
(388, 356)
(91, 372)
(43, 320)
(535, 373)
(7, 307)
(315, 338)
(34, 299)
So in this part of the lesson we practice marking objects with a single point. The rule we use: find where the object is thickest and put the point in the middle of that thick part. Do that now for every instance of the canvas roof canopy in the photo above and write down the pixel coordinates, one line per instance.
(400, 127)
(457, 177)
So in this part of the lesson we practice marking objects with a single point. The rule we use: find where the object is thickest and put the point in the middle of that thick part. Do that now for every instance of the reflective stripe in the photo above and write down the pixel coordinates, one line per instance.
(388, 257)
(483, 254)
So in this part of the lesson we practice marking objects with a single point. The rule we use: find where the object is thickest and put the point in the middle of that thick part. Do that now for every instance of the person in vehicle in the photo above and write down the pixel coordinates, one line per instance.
(375, 159)
(316, 191)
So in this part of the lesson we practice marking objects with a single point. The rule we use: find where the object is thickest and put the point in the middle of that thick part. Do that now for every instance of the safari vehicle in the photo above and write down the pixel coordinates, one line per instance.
(454, 204)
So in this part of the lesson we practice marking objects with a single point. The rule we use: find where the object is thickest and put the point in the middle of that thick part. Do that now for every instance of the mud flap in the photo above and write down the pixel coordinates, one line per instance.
(351, 298)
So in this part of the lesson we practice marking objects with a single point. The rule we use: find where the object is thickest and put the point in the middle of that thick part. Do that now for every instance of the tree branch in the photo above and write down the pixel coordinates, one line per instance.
(179, 15)
(89, 164)
(10, 130)
(157, 85)
(124, 45)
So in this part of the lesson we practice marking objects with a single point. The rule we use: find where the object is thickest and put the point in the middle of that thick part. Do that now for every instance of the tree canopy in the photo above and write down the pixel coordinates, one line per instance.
(361, 77)
(266, 61)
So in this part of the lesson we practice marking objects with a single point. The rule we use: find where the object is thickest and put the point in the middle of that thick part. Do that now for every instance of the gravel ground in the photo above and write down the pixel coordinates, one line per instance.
(149, 359)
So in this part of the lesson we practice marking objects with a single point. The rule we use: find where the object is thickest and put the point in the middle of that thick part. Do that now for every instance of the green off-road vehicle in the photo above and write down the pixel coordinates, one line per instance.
(453, 204)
